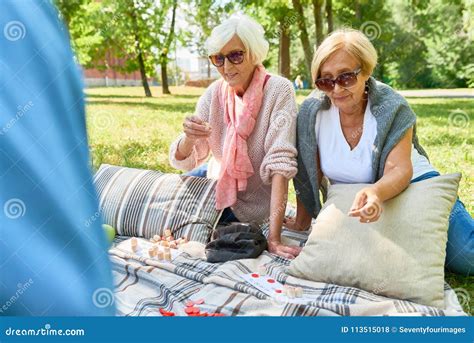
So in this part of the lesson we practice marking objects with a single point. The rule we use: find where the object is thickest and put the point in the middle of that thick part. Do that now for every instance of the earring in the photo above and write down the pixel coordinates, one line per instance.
(366, 91)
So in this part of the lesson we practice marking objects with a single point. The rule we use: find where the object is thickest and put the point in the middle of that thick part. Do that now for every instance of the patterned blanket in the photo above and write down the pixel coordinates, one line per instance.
(143, 286)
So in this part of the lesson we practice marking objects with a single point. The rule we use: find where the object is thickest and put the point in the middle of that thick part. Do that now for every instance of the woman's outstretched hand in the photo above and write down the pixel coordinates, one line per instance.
(367, 206)
(287, 251)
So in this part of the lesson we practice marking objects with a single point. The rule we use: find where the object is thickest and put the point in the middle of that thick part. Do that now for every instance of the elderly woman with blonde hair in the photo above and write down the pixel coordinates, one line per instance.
(247, 121)
(362, 131)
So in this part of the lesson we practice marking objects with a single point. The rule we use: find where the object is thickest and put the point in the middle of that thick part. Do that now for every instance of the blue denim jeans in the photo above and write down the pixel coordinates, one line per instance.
(227, 215)
(460, 248)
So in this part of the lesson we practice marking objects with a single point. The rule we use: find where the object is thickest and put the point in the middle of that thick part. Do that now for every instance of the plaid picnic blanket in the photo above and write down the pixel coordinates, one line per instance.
(144, 285)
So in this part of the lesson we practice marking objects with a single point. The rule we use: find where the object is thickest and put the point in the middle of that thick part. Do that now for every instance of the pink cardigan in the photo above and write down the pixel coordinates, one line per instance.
(271, 145)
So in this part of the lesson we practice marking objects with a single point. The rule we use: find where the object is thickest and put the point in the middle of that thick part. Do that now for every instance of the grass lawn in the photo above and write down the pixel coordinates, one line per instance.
(125, 128)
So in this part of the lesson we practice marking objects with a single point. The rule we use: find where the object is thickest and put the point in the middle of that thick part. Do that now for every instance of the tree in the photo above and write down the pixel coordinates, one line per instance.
(329, 17)
(164, 51)
(68, 9)
(318, 20)
(303, 34)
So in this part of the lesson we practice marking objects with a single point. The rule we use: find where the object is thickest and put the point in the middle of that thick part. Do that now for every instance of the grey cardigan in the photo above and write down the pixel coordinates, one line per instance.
(394, 117)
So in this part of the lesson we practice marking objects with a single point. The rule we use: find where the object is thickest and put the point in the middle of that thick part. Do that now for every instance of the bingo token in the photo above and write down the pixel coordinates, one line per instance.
(255, 275)
(189, 310)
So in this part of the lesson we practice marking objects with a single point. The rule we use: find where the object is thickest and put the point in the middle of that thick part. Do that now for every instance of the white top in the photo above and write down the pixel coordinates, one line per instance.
(339, 163)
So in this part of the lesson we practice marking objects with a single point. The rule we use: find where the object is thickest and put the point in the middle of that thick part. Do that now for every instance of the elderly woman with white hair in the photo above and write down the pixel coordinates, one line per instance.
(247, 121)
(362, 131)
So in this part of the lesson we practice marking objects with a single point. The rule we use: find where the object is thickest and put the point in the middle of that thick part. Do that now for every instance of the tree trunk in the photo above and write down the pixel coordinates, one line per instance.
(308, 55)
(284, 51)
(318, 20)
(358, 12)
(164, 77)
(141, 63)
(164, 57)
(329, 16)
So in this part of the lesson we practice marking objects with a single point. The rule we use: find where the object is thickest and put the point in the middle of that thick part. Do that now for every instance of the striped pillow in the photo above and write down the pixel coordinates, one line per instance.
(144, 203)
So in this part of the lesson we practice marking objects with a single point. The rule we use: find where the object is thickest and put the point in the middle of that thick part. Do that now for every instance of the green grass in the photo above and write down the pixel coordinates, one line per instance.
(125, 128)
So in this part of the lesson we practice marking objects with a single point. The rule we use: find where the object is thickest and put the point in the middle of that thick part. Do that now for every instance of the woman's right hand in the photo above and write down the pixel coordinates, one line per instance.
(195, 128)
(286, 251)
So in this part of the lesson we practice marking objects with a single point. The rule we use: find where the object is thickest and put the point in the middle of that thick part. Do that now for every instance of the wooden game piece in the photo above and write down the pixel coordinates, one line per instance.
(134, 244)
(298, 292)
(290, 292)
(167, 232)
(151, 252)
(167, 256)
(157, 238)
(160, 255)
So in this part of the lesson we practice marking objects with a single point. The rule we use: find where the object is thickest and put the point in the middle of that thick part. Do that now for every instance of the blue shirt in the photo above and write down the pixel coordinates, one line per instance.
(53, 251)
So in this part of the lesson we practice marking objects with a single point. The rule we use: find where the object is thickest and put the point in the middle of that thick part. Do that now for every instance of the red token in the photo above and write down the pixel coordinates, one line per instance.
(163, 311)
(199, 301)
(278, 290)
(168, 314)
(271, 281)
(189, 310)
(255, 275)
(196, 310)
(204, 314)
(190, 303)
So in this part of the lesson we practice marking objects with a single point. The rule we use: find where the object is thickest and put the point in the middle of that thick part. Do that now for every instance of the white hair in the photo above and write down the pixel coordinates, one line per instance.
(248, 30)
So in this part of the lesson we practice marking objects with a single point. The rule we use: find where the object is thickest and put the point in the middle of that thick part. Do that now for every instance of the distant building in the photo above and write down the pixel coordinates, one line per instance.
(186, 67)
(111, 77)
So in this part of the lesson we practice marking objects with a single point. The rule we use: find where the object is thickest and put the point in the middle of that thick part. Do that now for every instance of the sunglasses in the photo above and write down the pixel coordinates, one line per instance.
(234, 57)
(344, 80)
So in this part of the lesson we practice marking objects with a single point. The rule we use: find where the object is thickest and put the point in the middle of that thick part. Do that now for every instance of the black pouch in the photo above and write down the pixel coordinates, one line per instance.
(235, 241)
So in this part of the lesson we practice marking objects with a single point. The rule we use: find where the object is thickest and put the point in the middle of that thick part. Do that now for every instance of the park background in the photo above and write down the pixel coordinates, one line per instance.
(136, 57)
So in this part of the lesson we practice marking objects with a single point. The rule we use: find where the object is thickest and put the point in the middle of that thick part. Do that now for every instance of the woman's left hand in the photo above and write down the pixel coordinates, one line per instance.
(367, 206)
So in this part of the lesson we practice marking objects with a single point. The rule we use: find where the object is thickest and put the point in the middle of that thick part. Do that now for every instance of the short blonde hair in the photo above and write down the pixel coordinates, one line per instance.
(248, 30)
(354, 42)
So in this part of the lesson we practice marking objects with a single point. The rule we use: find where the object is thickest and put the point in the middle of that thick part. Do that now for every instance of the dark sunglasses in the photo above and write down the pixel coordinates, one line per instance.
(344, 80)
(234, 57)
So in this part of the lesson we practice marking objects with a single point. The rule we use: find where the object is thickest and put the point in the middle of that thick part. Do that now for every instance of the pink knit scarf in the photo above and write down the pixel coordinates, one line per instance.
(240, 118)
